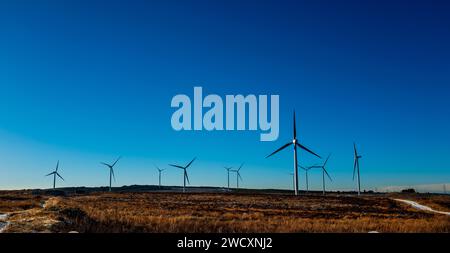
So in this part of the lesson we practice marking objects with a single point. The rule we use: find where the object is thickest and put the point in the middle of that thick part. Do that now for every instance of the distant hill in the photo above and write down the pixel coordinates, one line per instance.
(154, 188)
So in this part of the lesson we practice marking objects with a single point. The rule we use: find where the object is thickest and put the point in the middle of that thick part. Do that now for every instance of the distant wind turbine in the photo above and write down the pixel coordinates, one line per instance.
(228, 174)
(111, 171)
(159, 172)
(324, 171)
(55, 173)
(306, 174)
(296, 144)
(185, 174)
(356, 168)
(238, 175)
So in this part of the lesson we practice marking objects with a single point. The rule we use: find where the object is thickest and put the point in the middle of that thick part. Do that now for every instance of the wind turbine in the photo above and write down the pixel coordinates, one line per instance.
(324, 171)
(356, 168)
(159, 172)
(296, 144)
(238, 175)
(306, 172)
(111, 171)
(55, 173)
(185, 175)
(228, 174)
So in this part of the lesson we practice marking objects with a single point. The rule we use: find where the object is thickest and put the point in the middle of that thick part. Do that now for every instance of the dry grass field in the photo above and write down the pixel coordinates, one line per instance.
(220, 212)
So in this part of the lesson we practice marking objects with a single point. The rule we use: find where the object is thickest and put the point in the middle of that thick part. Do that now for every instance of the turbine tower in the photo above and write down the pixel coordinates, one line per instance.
(111, 171)
(296, 144)
(324, 171)
(55, 173)
(159, 172)
(185, 175)
(228, 174)
(238, 175)
(356, 168)
(293, 181)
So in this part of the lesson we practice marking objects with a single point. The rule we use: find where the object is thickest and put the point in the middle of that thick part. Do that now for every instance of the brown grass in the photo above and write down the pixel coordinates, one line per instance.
(208, 212)
(18, 200)
(174, 213)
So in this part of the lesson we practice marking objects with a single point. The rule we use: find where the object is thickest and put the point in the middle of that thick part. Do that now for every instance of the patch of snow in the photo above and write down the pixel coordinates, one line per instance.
(3, 222)
(421, 207)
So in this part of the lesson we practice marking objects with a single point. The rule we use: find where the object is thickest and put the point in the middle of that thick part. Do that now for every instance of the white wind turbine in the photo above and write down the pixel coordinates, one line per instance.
(228, 175)
(185, 174)
(356, 167)
(324, 171)
(238, 175)
(306, 169)
(111, 171)
(55, 173)
(296, 144)
(159, 174)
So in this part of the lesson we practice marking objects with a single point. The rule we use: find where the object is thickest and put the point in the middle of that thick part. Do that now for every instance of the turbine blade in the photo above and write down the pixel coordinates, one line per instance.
(239, 175)
(187, 177)
(60, 176)
(116, 161)
(176, 166)
(50, 174)
(295, 128)
(354, 168)
(326, 172)
(106, 164)
(303, 168)
(305, 148)
(57, 166)
(189, 164)
(278, 150)
(325, 163)
(240, 167)
(354, 148)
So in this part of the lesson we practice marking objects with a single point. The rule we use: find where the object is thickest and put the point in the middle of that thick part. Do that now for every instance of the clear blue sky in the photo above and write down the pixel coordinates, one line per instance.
(86, 81)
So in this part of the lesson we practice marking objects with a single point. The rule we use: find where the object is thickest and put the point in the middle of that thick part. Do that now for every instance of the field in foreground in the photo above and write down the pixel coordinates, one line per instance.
(220, 212)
